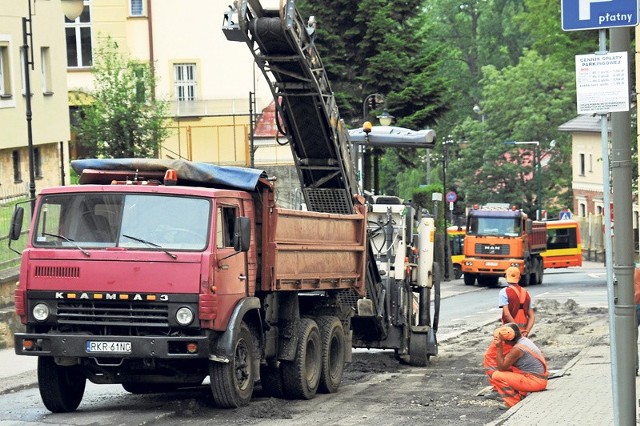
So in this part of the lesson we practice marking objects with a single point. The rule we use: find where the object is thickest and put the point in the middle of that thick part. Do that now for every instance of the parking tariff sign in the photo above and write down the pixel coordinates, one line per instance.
(602, 83)
(598, 14)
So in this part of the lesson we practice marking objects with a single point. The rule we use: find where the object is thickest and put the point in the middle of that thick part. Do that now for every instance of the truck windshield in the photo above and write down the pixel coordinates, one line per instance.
(156, 222)
(497, 226)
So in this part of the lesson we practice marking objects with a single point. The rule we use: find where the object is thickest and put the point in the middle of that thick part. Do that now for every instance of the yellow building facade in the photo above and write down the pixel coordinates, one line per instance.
(49, 112)
(205, 78)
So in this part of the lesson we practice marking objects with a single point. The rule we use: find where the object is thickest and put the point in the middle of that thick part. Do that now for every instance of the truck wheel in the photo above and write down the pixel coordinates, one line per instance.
(271, 381)
(61, 387)
(332, 355)
(232, 383)
(469, 279)
(301, 376)
(457, 272)
(525, 279)
(540, 273)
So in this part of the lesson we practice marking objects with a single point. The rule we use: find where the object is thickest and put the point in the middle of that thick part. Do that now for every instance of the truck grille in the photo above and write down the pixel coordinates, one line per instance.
(113, 314)
(499, 249)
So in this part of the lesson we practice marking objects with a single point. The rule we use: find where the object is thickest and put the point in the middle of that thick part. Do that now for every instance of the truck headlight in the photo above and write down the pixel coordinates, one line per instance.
(184, 316)
(41, 312)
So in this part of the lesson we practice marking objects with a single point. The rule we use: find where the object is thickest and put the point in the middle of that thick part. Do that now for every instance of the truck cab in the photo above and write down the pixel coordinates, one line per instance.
(497, 238)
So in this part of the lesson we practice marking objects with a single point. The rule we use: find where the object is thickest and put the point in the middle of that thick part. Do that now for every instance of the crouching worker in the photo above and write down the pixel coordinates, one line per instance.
(521, 370)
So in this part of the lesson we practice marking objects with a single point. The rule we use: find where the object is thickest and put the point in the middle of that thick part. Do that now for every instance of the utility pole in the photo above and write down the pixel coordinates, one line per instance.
(623, 265)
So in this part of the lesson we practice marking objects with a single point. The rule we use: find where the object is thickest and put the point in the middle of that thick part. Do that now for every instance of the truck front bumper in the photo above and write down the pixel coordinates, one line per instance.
(489, 266)
(92, 346)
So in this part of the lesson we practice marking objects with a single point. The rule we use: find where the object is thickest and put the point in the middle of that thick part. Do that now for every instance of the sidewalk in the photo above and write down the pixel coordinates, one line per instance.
(581, 396)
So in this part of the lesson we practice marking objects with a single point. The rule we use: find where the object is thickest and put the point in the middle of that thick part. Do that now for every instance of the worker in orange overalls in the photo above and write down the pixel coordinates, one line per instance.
(521, 370)
(517, 306)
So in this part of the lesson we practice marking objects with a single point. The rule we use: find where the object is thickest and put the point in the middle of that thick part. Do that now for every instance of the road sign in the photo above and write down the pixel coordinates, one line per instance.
(565, 215)
(602, 83)
(598, 14)
(452, 197)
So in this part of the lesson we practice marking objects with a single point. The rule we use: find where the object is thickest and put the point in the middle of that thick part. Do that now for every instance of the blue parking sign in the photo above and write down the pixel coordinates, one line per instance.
(598, 14)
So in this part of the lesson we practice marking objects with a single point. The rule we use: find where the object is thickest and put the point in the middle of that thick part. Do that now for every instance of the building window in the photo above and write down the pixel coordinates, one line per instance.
(5, 72)
(582, 165)
(590, 163)
(46, 70)
(79, 44)
(17, 173)
(599, 210)
(37, 162)
(137, 8)
(23, 77)
(185, 78)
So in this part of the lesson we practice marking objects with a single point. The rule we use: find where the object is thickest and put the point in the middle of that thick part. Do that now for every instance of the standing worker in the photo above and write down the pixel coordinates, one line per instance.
(516, 303)
(521, 370)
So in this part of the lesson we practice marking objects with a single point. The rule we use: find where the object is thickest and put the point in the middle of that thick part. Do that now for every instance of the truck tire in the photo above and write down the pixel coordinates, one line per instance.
(540, 273)
(271, 381)
(61, 387)
(469, 279)
(332, 353)
(457, 271)
(525, 279)
(232, 382)
(301, 376)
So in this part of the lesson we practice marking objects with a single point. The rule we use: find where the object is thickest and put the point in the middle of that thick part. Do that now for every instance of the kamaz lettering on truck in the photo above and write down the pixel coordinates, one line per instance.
(498, 237)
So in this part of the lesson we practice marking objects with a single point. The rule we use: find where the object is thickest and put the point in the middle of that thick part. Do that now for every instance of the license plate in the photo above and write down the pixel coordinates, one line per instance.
(108, 347)
(491, 263)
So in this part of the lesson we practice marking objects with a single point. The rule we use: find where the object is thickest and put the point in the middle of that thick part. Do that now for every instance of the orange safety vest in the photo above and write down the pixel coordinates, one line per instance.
(521, 315)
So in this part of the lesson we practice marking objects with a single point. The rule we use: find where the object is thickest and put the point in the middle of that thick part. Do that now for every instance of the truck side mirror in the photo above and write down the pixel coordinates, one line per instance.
(15, 228)
(242, 235)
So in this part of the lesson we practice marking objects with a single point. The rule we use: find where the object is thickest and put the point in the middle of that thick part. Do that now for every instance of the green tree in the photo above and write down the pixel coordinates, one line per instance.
(526, 102)
(377, 46)
(124, 119)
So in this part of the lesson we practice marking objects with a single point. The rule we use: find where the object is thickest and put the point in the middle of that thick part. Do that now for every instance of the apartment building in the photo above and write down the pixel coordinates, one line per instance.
(48, 86)
(206, 79)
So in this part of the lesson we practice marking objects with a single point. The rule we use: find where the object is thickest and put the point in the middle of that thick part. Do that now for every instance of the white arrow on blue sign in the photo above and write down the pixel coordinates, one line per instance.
(598, 14)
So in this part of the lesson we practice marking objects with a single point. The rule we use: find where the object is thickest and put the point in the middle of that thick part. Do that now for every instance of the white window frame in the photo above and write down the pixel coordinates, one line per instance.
(5, 72)
(186, 82)
(23, 77)
(45, 63)
(141, 11)
(77, 26)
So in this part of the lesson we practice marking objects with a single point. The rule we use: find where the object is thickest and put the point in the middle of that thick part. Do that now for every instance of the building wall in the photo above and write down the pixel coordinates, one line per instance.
(50, 119)
(214, 127)
(587, 182)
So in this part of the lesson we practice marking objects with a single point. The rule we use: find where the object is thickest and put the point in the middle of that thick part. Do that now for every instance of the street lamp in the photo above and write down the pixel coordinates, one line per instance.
(537, 166)
(385, 119)
(71, 9)
(478, 110)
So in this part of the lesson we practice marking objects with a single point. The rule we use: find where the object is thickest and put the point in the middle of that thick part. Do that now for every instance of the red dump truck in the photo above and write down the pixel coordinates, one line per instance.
(499, 236)
(157, 286)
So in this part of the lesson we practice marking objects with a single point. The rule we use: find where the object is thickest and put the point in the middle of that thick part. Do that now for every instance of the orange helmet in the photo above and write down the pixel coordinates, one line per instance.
(512, 275)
